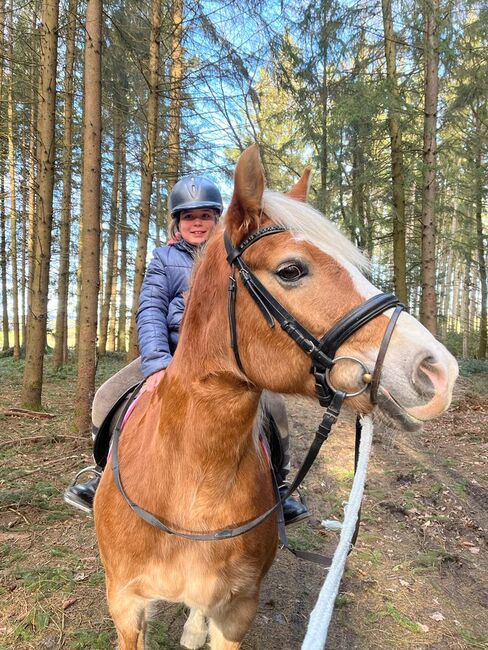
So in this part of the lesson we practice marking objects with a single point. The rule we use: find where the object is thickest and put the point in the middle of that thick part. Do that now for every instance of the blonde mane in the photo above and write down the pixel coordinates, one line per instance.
(310, 225)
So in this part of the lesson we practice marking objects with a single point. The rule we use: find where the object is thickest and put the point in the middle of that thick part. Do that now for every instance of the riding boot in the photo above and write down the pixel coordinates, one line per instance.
(81, 495)
(293, 509)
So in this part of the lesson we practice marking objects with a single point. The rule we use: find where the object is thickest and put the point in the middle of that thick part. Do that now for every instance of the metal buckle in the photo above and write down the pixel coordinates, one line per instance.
(363, 366)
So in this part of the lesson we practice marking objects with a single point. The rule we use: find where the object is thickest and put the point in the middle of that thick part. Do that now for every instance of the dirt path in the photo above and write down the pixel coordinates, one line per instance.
(417, 578)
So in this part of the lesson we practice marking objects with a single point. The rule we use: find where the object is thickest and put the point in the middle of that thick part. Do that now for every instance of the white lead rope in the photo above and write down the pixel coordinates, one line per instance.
(318, 625)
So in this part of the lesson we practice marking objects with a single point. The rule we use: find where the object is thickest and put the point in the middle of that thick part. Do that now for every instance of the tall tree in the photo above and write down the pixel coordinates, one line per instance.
(61, 332)
(36, 335)
(12, 176)
(90, 257)
(147, 169)
(3, 218)
(428, 307)
(110, 277)
(397, 172)
(175, 93)
(121, 335)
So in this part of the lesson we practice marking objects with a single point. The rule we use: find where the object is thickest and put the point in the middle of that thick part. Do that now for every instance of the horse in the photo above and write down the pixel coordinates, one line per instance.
(190, 453)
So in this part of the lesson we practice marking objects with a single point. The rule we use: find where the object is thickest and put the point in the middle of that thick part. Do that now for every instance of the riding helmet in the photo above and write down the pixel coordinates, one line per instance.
(194, 192)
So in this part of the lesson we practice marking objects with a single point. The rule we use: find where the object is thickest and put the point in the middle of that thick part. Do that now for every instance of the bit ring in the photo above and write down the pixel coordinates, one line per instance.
(366, 376)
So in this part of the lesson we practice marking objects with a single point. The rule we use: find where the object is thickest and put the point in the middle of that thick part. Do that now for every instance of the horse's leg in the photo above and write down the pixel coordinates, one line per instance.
(195, 631)
(229, 625)
(127, 611)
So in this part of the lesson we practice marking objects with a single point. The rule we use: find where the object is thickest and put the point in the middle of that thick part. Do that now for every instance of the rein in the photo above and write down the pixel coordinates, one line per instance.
(321, 351)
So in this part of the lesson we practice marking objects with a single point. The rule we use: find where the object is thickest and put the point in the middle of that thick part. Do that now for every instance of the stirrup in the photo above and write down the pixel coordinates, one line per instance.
(91, 469)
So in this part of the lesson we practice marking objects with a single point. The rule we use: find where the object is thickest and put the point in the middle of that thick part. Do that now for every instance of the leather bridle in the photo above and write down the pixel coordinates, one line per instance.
(321, 351)
(322, 354)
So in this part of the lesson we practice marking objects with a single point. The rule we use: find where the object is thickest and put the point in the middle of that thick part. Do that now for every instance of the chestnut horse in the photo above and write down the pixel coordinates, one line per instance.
(189, 452)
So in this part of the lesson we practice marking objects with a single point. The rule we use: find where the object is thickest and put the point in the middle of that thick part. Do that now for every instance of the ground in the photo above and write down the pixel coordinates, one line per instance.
(417, 578)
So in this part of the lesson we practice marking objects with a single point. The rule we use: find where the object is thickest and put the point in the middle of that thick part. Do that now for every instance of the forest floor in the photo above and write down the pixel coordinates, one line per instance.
(417, 578)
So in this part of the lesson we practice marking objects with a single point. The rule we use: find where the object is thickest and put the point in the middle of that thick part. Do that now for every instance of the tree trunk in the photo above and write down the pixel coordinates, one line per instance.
(175, 80)
(3, 217)
(465, 324)
(428, 315)
(121, 335)
(33, 188)
(397, 172)
(59, 356)
(147, 171)
(324, 104)
(25, 218)
(479, 184)
(112, 326)
(13, 206)
(90, 260)
(110, 277)
(36, 336)
(3, 256)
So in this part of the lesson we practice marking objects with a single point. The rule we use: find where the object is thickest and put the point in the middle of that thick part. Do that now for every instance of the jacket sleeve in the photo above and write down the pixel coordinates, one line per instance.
(152, 315)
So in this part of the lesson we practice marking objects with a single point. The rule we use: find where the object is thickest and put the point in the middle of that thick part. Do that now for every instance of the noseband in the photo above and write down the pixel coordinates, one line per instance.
(321, 351)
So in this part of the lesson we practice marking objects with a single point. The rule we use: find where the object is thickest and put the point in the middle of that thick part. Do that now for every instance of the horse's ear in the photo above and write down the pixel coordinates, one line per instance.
(302, 187)
(244, 211)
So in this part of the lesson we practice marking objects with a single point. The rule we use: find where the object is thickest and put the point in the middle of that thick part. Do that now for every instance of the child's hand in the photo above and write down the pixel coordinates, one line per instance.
(152, 381)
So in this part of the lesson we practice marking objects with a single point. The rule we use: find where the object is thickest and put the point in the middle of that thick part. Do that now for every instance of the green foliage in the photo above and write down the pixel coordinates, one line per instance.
(401, 619)
(86, 639)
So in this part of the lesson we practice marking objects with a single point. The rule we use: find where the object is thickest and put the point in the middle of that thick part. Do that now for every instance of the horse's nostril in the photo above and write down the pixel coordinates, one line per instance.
(424, 376)
(428, 376)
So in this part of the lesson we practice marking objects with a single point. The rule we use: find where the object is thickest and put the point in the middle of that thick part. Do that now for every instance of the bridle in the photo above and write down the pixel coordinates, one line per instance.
(322, 354)
(321, 351)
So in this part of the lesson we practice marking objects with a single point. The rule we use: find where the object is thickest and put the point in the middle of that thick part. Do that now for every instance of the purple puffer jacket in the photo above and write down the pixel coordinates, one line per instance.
(161, 304)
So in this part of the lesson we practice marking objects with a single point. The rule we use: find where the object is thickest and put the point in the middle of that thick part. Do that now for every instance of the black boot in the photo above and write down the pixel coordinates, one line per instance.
(293, 509)
(81, 495)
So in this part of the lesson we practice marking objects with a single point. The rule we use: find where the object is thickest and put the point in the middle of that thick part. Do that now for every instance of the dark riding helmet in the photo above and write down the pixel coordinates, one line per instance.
(194, 192)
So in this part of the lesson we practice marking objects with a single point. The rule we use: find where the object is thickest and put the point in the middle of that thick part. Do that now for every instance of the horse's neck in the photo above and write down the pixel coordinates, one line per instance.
(212, 414)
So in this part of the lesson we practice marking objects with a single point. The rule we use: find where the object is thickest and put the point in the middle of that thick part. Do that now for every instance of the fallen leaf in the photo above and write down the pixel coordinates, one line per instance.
(474, 550)
(437, 616)
(424, 628)
(69, 602)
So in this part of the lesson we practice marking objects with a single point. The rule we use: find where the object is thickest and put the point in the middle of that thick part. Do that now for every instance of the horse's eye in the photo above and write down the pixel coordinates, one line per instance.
(291, 272)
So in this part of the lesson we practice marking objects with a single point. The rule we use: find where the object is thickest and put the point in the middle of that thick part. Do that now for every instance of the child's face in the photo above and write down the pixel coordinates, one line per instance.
(196, 225)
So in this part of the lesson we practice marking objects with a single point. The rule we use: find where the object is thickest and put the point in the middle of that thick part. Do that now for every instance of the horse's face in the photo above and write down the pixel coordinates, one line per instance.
(313, 272)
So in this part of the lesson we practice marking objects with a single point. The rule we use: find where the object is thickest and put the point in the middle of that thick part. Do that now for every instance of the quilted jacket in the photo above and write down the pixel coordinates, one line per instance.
(161, 304)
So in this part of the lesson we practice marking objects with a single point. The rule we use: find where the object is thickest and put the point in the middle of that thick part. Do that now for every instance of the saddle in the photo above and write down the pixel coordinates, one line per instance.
(103, 435)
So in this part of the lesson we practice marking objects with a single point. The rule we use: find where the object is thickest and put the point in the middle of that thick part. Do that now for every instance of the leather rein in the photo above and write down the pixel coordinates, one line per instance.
(322, 353)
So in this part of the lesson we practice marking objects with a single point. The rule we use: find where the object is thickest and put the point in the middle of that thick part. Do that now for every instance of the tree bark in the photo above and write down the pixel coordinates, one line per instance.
(147, 171)
(61, 334)
(3, 216)
(479, 186)
(175, 80)
(13, 205)
(397, 171)
(3, 256)
(112, 325)
(36, 336)
(110, 277)
(90, 260)
(33, 188)
(465, 324)
(428, 307)
(324, 104)
(122, 335)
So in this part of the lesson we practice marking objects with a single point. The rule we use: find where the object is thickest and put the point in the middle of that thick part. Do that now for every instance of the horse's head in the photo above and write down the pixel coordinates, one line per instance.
(315, 273)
